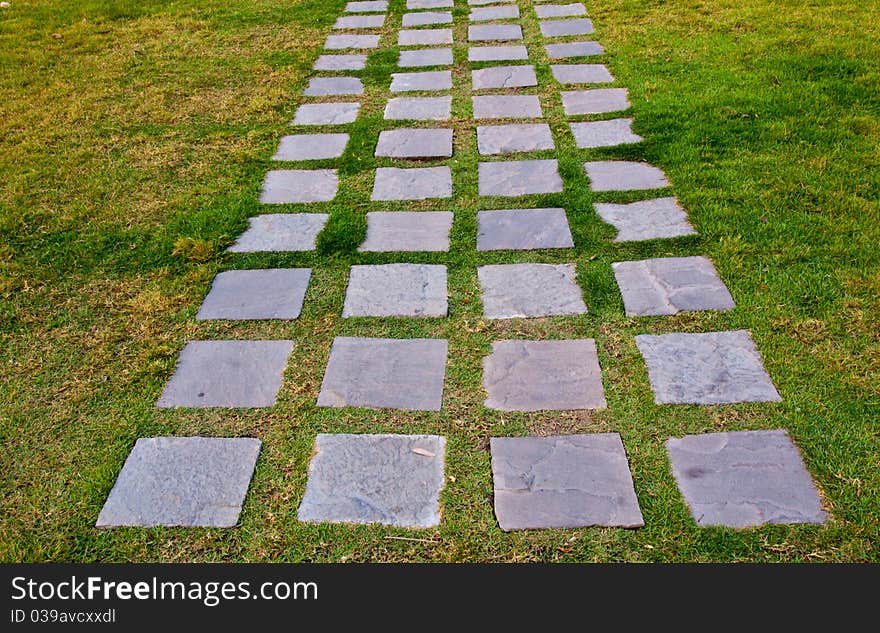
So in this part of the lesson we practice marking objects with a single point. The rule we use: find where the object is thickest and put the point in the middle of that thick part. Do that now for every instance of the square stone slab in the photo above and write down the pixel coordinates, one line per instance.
(415, 143)
(581, 73)
(430, 80)
(342, 42)
(485, 14)
(418, 109)
(425, 57)
(182, 481)
(598, 101)
(621, 175)
(427, 17)
(543, 376)
(523, 229)
(380, 6)
(710, 368)
(744, 479)
(429, 4)
(311, 146)
(418, 183)
(385, 373)
(519, 137)
(326, 113)
(519, 178)
(396, 290)
(407, 231)
(239, 374)
(507, 107)
(494, 32)
(513, 291)
(646, 219)
(497, 53)
(274, 293)
(359, 22)
(560, 10)
(558, 28)
(340, 62)
(281, 232)
(424, 37)
(286, 186)
(387, 479)
(669, 285)
(325, 86)
(568, 481)
(604, 133)
(573, 49)
(503, 77)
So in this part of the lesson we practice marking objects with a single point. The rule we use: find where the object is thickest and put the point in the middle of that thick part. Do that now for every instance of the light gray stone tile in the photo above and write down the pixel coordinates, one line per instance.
(407, 231)
(560, 10)
(646, 220)
(604, 133)
(503, 77)
(343, 42)
(359, 22)
(529, 290)
(427, 17)
(425, 57)
(429, 4)
(581, 73)
(340, 62)
(494, 32)
(478, 3)
(418, 109)
(288, 186)
(424, 37)
(396, 290)
(519, 178)
(486, 14)
(415, 143)
(311, 146)
(420, 183)
(573, 49)
(274, 293)
(367, 6)
(326, 113)
(281, 232)
(507, 107)
(597, 101)
(621, 175)
(326, 86)
(523, 229)
(429, 81)
(519, 137)
(497, 53)
(558, 28)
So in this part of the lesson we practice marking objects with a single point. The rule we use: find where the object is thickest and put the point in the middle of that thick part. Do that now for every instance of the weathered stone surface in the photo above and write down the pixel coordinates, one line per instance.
(503, 77)
(708, 368)
(367, 6)
(274, 293)
(518, 137)
(646, 219)
(581, 73)
(507, 107)
(519, 178)
(598, 101)
(425, 57)
(359, 22)
(340, 62)
(558, 28)
(286, 186)
(494, 32)
(543, 376)
(342, 42)
(497, 53)
(326, 113)
(418, 183)
(281, 232)
(477, 3)
(430, 80)
(400, 290)
(427, 17)
(311, 146)
(387, 479)
(573, 49)
(415, 143)
(568, 481)
(385, 373)
(418, 109)
(240, 374)
(529, 290)
(485, 14)
(523, 229)
(621, 175)
(604, 133)
(407, 231)
(670, 285)
(424, 37)
(326, 86)
(429, 4)
(560, 10)
(744, 479)
(182, 481)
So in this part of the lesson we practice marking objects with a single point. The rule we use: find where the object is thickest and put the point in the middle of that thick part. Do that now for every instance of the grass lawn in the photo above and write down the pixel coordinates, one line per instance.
(134, 138)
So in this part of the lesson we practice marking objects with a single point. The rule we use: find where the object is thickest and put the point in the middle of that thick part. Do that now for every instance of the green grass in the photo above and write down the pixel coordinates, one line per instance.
(134, 138)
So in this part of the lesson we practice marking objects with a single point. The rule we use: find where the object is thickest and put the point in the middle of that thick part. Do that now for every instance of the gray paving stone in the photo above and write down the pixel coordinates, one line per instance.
(342, 42)
(646, 220)
(568, 481)
(359, 22)
(385, 373)
(326, 113)
(560, 10)
(708, 368)
(529, 290)
(573, 49)
(239, 374)
(288, 186)
(477, 3)
(427, 17)
(581, 73)
(281, 232)
(396, 290)
(486, 14)
(182, 481)
(669, 285)
(558, 28)
(519, 178)
(507, 107)
(523, 229)
(503, 77)
(519, 137)
(597, 101)
(386, 479)
(340, 62)
(425, 57)
(744, 479)
(494, 32)
(274, 293)
(497, 53)
(430, 80)
(621, 175)
(418, 109)
(543, 376)
(407, 231)
(420, 183)
(424, 37)
(325, 86)
(415, 143)
(604, 133)
(429, 4)
(311, 146)
(367, 6)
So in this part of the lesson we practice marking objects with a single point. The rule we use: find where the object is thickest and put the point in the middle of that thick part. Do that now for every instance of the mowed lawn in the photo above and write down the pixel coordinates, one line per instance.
(134, 138)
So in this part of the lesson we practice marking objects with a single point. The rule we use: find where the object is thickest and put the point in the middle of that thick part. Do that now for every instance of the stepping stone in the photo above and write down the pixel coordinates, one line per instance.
(429, 4)
(513, 291)
(341, 42)
(288, 186)
(427, 17)
(543, 376)
(388, 479)
(744, 479)
(573, 49)
(496, 53)
(182, 481)
(326, 113)
(621, 175)
(523, 229)
(710, 368)
(420, 183)
(283, 232)
(504, 77)
(507, 107)
(415, 143)
(324, 86)
(359, 22)
(494, 32)
(426, 57)
(418, 108)
(486, 14)
(340, 62)
(604, 133)
(407, 231)
(385, 373)
(396, 290)
(669, 285)
(520, 137)
(424, 37)
(519, 178)
(558, 28)
(567, 481)
(646, 219)
(581, 73)
(431, 80)
(238, 295)
(380, 6)
(598, 101)
(311, 146)
(239, 374)
(560, 10)
(476, 3)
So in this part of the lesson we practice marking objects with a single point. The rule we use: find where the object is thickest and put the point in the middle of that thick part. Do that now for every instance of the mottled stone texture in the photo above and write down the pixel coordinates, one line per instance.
(557, 28)
(340, 62)
(327, 86)
(359, 22)
(507, 107)
(424, 37)
(430, 4)
(519, 178)
(486, 14)
(311, 147)
(573, 49)
(494, 32)
(477, 3)
(597, 101)
(415, 143)
(407, 231)
(621, 175)
(496, 53)
(423, 57)
(418, 183)
(418, 109)
(342, 42)
(274, 293)
(581, 73)
(427, 17)
(508, 139)
(289, 186)
(326, 113)
(523, 229)
(646, 219)
(367, 6)
(529, 290)
(281, 232)
(428, 81)
(400, 290)
(604, 133)
(560, 10)
(496, 77)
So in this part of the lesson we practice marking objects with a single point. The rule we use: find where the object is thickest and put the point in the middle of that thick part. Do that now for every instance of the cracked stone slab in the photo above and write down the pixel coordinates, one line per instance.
(374, 6)
(518, 137)
(543, 376)
(340, 62)
(507, 107)
(558, 28)
(407, 231)
(415, 143)
(708, 368)
(604, 133)
(287, 186)
(342, 42)
(523, 229)
(513, 291)
(560, 10)
(383, 373)
(274, 293)
(424, 37)
(646, 220)
(597, 101)
(581, 73)
(574, 49)
(567, 481)
(418, 109)
(744, 479)
(311, 146)
(620, 175)
(326, 113)
(497, 53)
(427, 17)
(182, 481)
(359, 22)
(388, 479)
(430, 80)
(281, 232)
(418, 183)
(425, 57)
(503, 77)
(519, 178)
(237, 374)
(669, 285)
(430, 4)
(398, 290)
(494, 32)
(486, 14)
(327, 86)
